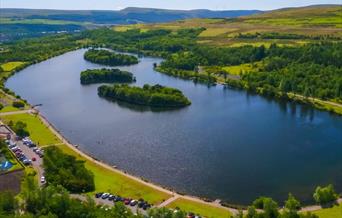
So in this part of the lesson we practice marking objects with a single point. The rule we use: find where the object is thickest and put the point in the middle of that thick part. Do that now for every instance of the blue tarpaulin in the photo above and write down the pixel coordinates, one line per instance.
(6, 165)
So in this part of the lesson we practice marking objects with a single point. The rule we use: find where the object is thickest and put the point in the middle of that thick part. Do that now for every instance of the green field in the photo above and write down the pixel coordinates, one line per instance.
(9, 66)
(334, 212)
(199, 208)
(8, 109)
(109, 181)
(39, 133)
(241, 69)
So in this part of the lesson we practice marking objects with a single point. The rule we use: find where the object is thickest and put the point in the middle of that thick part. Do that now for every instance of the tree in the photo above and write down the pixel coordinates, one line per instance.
(19, 128)
(1, 106)
(292, 204)
(8, 203)
(324, 195)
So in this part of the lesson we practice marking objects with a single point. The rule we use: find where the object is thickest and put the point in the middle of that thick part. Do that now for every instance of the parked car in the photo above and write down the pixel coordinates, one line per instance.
(111, 197)
(117, 199)
(105, 195)
(133, 203)
(146, 206)
(98, 195)
(27, 162)
(42, 179)
(34, 159)
(127, 201)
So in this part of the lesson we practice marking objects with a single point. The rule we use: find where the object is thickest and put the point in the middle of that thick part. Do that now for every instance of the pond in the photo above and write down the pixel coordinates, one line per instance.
(227, 144)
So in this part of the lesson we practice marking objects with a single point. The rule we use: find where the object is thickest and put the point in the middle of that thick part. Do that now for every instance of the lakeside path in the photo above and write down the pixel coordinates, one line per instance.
(173, 196)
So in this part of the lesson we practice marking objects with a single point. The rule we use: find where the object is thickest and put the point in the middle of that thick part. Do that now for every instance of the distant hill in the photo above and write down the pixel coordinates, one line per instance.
(126, 16)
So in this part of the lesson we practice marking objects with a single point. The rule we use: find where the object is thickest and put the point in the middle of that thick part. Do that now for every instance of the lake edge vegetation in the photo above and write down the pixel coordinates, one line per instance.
(109, 58)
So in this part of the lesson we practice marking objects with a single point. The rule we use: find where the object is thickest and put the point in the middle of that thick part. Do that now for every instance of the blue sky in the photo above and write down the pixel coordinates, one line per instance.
(170, 4)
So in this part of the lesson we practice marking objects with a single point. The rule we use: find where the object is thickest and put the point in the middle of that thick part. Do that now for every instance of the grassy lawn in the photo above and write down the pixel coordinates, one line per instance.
(109, 181)
(39, 133)
(241, 69)
(9, 109)
(201, 209)
(9, 66)
(335, 211)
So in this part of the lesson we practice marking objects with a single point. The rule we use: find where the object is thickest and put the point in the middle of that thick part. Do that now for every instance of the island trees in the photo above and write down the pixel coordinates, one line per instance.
(106, 76)
(155, 96)
(109, 58)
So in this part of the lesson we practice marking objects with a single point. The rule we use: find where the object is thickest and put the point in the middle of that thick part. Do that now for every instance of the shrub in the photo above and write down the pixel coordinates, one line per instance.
(18, 104)
(324, 195)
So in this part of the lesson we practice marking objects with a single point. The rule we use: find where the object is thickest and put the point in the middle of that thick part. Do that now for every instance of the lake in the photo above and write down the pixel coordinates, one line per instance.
(227, 145)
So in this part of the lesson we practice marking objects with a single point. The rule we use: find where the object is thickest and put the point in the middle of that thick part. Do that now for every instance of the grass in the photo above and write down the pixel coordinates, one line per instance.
(39, 133)
(9, 109)
(109, 181)
(333, 212)
(199, 208)
(241, 69)
(9, 66)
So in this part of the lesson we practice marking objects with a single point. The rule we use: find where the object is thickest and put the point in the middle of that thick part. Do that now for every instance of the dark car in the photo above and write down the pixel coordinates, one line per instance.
(117, 199)
(141, 204)
(111, 197)
(146, 206)
(98, 195)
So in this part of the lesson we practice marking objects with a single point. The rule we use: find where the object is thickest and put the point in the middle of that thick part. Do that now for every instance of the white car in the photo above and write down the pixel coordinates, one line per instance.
(42, 179)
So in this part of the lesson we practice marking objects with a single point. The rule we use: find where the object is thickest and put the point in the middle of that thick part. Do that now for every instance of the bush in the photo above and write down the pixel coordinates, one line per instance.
(324, 195)
(1, 106)
(18, 104)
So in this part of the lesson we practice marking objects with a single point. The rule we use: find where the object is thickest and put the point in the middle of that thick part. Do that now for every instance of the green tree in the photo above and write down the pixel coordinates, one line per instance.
(8, 203)
(292, 204)
(324, 195)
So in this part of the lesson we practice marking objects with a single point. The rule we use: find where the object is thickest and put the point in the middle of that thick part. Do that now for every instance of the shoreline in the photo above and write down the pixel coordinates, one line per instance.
(174, 194)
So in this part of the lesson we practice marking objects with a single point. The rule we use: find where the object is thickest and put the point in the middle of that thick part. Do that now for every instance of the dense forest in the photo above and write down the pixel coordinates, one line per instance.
(65, 170)
(155, 96)
(106, 76)
(109, 58)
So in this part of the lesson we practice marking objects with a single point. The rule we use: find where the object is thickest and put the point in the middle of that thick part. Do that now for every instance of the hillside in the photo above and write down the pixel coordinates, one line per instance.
(24, 23)
(125, 16)
(294, 26)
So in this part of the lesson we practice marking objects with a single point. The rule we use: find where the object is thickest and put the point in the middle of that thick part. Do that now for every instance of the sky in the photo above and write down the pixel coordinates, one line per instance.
(168, 4)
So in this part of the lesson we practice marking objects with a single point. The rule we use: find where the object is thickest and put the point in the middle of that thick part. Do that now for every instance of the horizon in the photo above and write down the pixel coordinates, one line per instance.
(107, 5)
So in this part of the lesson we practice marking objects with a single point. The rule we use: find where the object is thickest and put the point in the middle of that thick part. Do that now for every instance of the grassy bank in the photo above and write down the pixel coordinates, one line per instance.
(200, 208)
(109, 181)
(335, 211)
(39, 133)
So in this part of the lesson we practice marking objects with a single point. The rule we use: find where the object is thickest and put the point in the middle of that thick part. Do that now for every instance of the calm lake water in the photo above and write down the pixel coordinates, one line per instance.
(228, 144)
